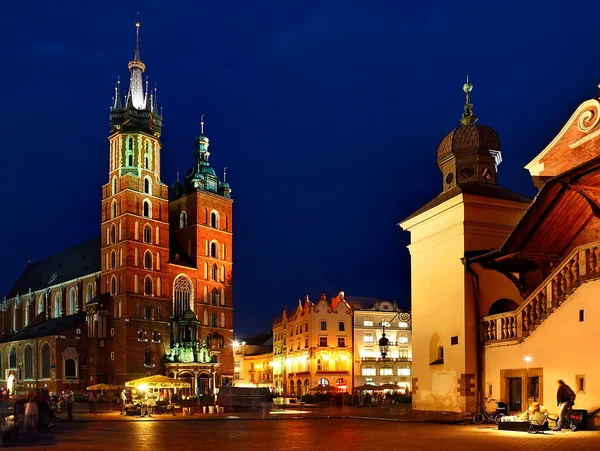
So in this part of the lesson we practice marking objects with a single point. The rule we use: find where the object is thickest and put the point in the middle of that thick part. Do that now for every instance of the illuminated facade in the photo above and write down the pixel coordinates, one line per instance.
(497, 277)
(371, 319)
(153, 294)
(253, 365)
(312, 347)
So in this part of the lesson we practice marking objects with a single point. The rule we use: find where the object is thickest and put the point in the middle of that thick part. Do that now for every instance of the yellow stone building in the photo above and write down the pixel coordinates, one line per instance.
(312, 348)
(497, 277)
(253, 365)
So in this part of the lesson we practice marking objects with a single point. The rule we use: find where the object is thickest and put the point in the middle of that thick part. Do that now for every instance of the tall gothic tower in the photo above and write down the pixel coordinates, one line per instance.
(129, 322)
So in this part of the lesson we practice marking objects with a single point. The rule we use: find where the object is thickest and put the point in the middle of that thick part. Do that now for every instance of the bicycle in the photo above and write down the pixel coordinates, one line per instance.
(493, 417)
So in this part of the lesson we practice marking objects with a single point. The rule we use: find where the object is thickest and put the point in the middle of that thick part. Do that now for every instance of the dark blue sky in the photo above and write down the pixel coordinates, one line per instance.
(328, 115)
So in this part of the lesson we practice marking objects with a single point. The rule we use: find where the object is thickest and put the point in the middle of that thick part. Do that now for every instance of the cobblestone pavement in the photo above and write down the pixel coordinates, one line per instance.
(310, 434)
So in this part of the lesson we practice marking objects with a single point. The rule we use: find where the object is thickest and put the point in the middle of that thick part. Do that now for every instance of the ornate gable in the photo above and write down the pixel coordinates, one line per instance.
(578, 142)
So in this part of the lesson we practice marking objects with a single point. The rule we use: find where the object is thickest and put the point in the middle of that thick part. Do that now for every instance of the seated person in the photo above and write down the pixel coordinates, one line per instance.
(534, 408)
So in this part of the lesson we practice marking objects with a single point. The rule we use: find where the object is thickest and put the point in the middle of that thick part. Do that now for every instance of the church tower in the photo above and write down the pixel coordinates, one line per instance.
(200, 217)
(472, 214)
(129, 321)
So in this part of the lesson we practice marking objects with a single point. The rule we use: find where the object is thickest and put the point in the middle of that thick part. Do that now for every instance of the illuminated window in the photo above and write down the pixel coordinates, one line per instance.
(214, 220)
(403, 338)
(323, 342)
(403, 325)
(368, 322)
(403, 371)
(369, 371)
(323, 325)
(386, 371)
(148, 286)
(182, 292)
(368, 337)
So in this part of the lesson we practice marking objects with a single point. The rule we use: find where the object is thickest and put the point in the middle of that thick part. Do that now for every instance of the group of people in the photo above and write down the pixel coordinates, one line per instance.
(41, 408)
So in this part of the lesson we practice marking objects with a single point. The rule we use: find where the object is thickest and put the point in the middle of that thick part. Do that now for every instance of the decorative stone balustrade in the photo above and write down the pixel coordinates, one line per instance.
(581, 265)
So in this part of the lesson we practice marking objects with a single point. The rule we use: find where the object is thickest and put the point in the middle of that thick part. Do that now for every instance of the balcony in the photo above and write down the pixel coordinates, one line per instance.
(379, 359)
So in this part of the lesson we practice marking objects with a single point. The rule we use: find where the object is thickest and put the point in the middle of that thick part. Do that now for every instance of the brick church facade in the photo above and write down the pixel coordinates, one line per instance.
(152, 294)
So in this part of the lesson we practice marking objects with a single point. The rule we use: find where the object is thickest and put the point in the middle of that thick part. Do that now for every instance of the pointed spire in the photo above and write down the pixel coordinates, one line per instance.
(147, 103)
(117, 97)
(202, 124)
(136, 56)
(468, 117)
(225, 174)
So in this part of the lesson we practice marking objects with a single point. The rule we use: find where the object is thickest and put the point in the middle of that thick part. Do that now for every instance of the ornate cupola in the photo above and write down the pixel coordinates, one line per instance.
(471, 152)
(201, 176)
(139, 112)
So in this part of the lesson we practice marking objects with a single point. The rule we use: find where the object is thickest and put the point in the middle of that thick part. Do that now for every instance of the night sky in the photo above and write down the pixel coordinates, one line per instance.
(327, 114)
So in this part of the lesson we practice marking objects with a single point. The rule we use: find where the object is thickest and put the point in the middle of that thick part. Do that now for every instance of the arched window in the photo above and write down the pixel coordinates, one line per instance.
(113, 285)
(214, 249)
(222, 319)
(158, 287)
(12, 357)
(45, 361)
(222, 296)
(147, 158)
(147, 182)
(323, 382)
(119, 309)
(28, 357)
(158, 260)
(436, 350)
(113, 209)
(114, 186)
(292, 393)
(72, 301)
(214, 220)
(137, 230)
(214, 321)
(182, 220)
(147, 357)
(147, 234)
(57, 305)
(205, 317)
(214, 272)
(113, 260)
(157, 235)
(130, 144)
(147, 209)
(182, 295)
(121, 257)
(113, 234)
(214, 297)
(148, 260)
(70, 370)
(90, 293)
(148, 286)
(40, 307)
(222, 273)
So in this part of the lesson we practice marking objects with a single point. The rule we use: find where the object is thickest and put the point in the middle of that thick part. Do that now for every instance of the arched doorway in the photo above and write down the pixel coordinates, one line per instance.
(189, 378)
(502, 306)
(10, 384)
(203, 387)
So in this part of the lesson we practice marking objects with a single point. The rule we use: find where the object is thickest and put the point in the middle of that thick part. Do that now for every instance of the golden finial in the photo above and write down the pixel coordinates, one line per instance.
(468, 117)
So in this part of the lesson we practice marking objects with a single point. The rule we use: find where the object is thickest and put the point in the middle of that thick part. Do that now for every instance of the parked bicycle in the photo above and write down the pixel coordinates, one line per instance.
(491, 417)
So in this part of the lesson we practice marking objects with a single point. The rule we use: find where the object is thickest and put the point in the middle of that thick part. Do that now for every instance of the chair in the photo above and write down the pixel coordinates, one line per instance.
(537, 422)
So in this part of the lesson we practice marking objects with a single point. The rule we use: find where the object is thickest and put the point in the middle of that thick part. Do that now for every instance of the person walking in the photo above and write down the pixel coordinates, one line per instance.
(68, 395)
(123, 402)
(92, 402)
(565, 398)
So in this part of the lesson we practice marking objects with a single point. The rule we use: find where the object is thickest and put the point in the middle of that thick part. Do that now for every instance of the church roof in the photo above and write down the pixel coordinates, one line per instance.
(78, 261)
(477, 189)
(48, 328)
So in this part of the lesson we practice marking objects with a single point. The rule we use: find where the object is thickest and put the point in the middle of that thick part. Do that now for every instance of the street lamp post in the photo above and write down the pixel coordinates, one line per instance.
(527, 360)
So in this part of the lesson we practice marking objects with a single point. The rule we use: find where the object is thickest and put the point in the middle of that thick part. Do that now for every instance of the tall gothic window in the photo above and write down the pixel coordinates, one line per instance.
(113, 209)
(214, 220)
(113, 260)
(40, 308)
(113, 285)
(45, 361)
(148, 234)
(214, 297)
(182, 294)
(90, 293)
(214, 250)
(182, 220)
(147, 357)
(72, 301)
(28, 353)
(214, 272)
(214, 321)
(147, 209)
(57, 305)
(148, 286)
(12, 357)
(148, 260)
(113, 234)
(147, 182)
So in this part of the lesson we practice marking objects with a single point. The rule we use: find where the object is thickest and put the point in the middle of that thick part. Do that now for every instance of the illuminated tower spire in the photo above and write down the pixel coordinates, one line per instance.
(468, 117)
(136, 67)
